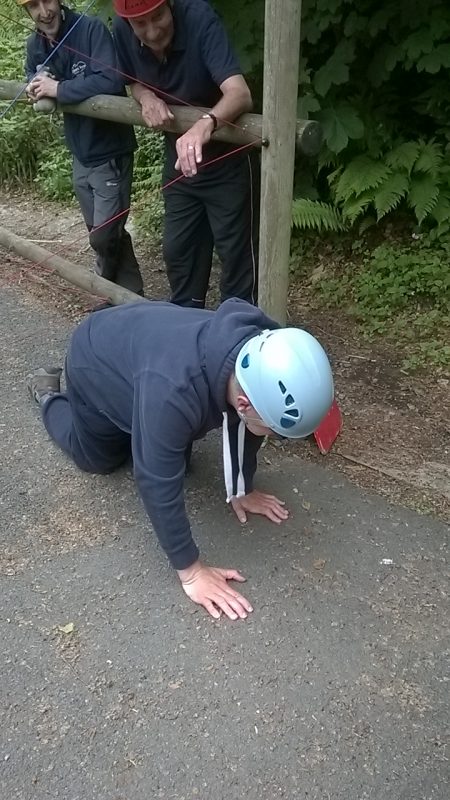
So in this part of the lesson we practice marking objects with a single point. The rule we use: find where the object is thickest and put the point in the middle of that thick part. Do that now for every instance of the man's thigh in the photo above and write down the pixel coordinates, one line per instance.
(184, 216)
(233, 207)
(110, 190)
(95, 440)
(83, 191)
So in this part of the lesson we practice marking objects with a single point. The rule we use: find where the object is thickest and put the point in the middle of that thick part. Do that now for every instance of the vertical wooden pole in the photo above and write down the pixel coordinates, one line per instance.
(281, 63)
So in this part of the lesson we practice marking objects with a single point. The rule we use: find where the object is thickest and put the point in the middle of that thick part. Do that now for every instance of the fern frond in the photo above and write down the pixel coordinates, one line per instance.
(361, 174)
(423, 195)
(354, 207)
(404, 156)
(441, 211)
(388, 196)
(314, 214)
(327, 159)
(430, 158)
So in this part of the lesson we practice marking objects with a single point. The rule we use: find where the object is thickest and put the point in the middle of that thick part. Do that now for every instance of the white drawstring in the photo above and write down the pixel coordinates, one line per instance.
(227, 463)
(241, 444)
(227, 466)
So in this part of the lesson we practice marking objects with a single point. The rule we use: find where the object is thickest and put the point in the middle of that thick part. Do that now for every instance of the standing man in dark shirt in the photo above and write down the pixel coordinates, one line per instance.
(180, 49)
(85, 65)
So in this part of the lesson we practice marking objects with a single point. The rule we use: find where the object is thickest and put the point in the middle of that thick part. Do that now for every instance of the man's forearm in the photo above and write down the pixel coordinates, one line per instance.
(138, 90)
(231, 105)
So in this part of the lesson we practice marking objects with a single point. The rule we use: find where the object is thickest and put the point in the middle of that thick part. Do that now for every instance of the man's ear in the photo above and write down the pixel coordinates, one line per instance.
(243, 403)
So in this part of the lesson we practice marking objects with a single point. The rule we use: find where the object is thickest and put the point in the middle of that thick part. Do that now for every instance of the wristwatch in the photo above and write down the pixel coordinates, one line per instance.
(212, 116)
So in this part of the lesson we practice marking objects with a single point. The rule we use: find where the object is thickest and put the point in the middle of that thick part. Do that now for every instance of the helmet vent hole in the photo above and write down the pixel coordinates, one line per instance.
(282, 387)
(286, 423)
(289, 400)
(292, 412)
(245, 363)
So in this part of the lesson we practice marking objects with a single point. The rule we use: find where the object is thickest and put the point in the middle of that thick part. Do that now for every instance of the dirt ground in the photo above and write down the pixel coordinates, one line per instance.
(396, 434)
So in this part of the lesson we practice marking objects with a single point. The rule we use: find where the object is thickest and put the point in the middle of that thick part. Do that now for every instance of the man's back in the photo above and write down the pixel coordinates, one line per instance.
(165, 353)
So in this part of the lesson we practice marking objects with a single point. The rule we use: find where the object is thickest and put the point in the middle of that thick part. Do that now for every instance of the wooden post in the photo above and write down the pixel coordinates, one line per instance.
(281, 64)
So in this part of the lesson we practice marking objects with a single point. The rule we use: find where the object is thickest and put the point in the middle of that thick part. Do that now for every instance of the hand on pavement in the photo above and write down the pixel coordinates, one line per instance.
(259, 503)
(208, 586)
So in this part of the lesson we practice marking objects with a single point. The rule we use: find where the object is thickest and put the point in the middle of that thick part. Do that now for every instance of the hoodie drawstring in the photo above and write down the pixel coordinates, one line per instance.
(227, 463)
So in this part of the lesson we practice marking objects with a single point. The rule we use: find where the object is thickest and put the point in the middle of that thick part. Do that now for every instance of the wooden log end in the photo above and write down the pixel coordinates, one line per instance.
(309, 137)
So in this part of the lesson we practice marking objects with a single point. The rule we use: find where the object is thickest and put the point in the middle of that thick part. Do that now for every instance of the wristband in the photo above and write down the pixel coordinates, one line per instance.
(212, 116)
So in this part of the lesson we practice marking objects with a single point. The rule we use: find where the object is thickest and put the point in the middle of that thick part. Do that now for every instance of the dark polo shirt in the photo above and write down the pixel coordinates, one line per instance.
(199, 59)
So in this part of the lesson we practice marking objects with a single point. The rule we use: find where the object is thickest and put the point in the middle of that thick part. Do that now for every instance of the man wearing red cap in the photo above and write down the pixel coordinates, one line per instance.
(177, 51)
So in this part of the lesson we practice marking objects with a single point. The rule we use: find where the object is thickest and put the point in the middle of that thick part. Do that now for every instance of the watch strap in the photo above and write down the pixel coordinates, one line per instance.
(213, 117)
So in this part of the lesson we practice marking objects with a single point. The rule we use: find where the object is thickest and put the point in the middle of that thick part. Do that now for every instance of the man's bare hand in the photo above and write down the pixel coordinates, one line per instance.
(259, 503)
(208, 586)
(42, 86)
(155, 113)
(190, 147)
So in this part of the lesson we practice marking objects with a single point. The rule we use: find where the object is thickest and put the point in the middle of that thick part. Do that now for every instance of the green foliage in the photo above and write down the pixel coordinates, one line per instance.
(316, 215)
(376, 77)
(27, 139)
(416, 173)
(400, 291)
(54, 173)
(394, 278)
(19, 154)
(148, 207)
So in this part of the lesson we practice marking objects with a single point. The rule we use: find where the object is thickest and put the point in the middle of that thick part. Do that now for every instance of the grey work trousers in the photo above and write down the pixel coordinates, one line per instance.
(103, 192)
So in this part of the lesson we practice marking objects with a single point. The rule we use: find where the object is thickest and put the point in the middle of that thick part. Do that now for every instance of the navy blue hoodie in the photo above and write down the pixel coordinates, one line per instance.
(82, 65)
(160, 372)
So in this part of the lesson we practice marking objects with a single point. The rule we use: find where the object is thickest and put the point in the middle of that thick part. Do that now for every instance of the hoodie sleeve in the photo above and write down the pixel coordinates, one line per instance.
(242, 446)
(161, 431)
(103, 76)
(32, 59)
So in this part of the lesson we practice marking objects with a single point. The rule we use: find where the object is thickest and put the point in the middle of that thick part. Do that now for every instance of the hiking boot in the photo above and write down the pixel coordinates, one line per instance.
(44, 381)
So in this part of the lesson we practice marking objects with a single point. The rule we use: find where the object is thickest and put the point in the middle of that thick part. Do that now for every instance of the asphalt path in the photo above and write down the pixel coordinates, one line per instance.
(115, 687)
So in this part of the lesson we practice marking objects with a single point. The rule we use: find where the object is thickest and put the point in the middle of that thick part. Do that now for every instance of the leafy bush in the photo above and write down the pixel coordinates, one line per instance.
(394, 278)
(376, 76)
(54, 173)
(148, 206)
(398, 290)
(27, 139)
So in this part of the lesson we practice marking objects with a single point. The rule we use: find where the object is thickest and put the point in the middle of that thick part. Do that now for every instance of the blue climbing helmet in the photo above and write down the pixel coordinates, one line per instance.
(287, 377)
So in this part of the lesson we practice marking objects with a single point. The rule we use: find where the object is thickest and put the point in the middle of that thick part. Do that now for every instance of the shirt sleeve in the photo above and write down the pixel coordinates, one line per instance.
(123, 43)
(217, 52)
(30, 60)
(161, 433)
(103, 76)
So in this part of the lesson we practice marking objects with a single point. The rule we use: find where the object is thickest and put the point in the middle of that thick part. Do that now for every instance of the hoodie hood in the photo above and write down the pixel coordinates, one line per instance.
(233, 324)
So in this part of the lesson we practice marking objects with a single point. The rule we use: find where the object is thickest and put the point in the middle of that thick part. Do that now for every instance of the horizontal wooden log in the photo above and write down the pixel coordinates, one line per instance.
(127, 110)
(73, 273)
